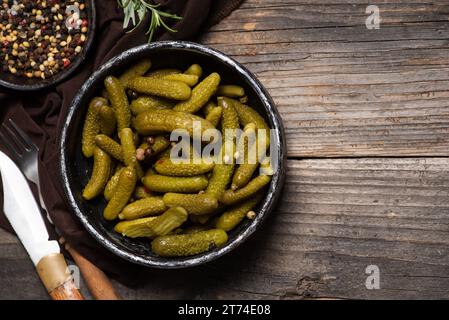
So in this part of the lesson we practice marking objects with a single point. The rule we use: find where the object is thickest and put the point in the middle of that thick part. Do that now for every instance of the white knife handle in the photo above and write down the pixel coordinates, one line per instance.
(56, 277)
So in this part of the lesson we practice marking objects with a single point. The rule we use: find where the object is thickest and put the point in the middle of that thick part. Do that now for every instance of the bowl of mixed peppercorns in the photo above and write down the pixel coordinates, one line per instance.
(43, 41)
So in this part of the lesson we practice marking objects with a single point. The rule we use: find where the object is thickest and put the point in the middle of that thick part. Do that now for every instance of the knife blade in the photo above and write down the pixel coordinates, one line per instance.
(23, 213)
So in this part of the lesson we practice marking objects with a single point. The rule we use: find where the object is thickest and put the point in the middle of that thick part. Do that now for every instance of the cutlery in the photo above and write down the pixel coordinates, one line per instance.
(25, 154)
(24, 215)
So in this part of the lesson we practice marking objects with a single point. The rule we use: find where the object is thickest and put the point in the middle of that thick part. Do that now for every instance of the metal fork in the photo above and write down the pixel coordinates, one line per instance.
(24, 152)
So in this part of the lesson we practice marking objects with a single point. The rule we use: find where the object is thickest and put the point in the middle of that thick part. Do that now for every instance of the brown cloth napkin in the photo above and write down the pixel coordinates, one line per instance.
(42, 114)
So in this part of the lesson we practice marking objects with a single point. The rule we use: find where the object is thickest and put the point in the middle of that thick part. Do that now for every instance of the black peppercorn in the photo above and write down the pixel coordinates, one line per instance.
(150, 140)
(37, 34)
(148, 153)
(132, 94)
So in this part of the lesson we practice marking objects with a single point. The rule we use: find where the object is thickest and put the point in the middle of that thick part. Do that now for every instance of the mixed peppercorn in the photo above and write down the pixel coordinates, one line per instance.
(41, 38)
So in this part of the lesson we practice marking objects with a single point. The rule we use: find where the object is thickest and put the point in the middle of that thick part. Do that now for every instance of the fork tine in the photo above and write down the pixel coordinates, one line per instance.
(13, 150)
(30, 144)
(16, 139)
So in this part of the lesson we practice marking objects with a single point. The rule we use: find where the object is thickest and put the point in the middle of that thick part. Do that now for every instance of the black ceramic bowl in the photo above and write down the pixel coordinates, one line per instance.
(10, 81)
(75, 169)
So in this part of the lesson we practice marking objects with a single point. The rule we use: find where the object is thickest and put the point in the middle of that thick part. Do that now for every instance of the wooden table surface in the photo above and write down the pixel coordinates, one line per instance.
(366, 113)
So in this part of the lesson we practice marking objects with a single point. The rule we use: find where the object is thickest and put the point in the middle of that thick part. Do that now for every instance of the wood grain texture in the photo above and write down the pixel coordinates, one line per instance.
(17, 271)
(99, 285)
(66, 291)
(337, 217)
(344, 90)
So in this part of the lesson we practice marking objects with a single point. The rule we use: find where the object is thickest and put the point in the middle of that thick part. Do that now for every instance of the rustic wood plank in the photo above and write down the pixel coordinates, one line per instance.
(18, 272)
(306, 14)
(337, 217)
(344, 90)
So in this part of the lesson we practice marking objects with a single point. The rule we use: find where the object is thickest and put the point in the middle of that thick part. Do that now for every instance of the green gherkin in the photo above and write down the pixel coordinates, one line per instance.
(159, 226)
(200, 94)
(160, 87)
(160, 183)
(119, 102)
(234, 215)
(188, 244)
(100, 174)
(91, 126)
(122, 193)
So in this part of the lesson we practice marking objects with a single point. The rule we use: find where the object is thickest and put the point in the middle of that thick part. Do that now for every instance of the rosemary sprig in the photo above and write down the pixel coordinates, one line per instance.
(135, 12)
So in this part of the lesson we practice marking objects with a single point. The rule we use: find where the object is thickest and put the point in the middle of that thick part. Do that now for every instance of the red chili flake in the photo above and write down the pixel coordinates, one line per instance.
(66, 62)
(84, 23)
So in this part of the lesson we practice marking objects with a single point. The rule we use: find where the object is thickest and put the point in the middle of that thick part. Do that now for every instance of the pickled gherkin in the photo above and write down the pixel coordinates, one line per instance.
(245, 171)
(214, 116)
(109, 146)
(160, 144)
(186, 203)
(196, 204)
(136, 70)
(246, 142)
(91, 126)
(160, 183)
(119, 102)
(247, 149)
(111, 185)
(159, 121)
(200, 94)
(143, 207)
(220, 179)
(100, 174)
(231, 91)
(247, 115)
(195, 69)
(138, 227)
(107, 120)
(188, 79)
(169, 168)
(232, 197)
(209, 107)
(222, 173)
(122, 194)
(189, 244)
(162, 73)
(234, 215)
(159, 226)
(160, 87)
(129, 150)
(148, 103)
(230, 122)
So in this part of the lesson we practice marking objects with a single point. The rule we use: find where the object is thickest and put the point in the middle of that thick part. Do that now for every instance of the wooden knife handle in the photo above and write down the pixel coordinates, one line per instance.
(97, 282)
(56, 277)
(66, 291)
